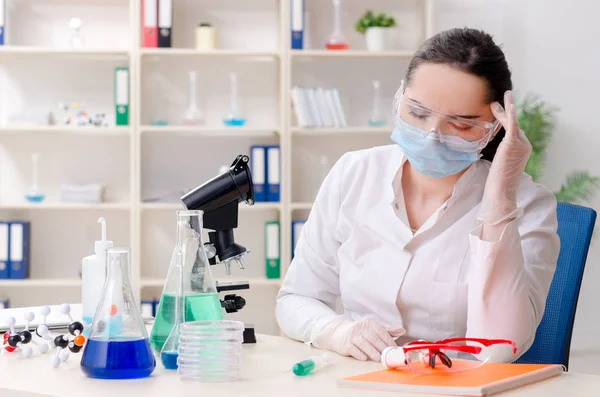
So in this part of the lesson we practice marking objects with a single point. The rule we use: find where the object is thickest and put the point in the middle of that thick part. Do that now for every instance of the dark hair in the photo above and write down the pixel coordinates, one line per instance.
(472, 51)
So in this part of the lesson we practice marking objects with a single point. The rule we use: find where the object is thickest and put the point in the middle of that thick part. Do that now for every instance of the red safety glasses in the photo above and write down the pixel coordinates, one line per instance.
(449, 355)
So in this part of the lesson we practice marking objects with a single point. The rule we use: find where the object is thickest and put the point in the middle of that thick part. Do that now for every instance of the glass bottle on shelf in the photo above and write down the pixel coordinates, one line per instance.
(118, 346)
(377, 119)
(192, 116)
(234, 117)
(336, 40)
(200, 298)
(35, 194)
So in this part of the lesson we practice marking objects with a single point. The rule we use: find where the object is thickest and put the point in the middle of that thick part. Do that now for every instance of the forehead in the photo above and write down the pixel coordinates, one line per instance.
(447, 89)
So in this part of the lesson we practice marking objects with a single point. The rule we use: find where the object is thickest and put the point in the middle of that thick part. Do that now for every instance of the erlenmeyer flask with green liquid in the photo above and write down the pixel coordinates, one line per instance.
(189, 274)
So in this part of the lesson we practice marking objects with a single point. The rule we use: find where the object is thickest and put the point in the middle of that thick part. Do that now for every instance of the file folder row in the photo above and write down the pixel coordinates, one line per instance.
(14, 250)
(318, 107)
(265, 166)
(157, 23)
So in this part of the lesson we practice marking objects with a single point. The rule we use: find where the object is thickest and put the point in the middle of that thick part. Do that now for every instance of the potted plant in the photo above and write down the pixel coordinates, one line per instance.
(376, 29)
(536, 119)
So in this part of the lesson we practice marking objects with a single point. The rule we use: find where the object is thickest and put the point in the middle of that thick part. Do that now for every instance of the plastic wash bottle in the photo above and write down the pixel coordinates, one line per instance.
(93, 275)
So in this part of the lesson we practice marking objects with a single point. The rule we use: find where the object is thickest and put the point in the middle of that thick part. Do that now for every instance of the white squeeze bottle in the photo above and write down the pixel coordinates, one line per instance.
(93, 275)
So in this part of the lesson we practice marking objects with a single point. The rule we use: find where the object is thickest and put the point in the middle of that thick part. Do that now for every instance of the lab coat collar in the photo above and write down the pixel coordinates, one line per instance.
(381, 217)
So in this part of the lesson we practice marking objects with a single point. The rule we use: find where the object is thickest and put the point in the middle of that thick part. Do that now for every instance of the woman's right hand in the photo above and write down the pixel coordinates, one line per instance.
(364, 339)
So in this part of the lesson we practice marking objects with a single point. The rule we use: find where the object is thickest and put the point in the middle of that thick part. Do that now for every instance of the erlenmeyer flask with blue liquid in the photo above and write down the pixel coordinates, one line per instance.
(118, 346)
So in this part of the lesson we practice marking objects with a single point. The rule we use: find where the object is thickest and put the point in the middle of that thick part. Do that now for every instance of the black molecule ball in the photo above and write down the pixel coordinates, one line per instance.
(60, 342)
(75, 328)
(75, 348)
(26, 335)
(14, 340)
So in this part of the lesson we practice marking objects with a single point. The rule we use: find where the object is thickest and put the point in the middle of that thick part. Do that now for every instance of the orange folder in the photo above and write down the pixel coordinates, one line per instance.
(489, 379)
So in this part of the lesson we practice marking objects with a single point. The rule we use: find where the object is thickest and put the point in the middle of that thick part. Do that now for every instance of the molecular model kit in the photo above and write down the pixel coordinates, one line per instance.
(24, 341)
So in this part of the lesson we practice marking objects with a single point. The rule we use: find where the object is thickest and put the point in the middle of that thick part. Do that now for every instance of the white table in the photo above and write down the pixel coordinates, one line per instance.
(264, 364)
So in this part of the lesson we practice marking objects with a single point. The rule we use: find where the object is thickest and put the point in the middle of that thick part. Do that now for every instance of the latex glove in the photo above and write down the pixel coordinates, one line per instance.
(500, 195)
(363, 339)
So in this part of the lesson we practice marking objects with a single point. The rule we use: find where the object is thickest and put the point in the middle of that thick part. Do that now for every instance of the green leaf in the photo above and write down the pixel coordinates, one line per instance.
(579, 187)
(370, 19)
(534, 166)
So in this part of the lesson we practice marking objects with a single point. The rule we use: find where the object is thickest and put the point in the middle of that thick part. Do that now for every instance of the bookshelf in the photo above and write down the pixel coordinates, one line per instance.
(143, 160)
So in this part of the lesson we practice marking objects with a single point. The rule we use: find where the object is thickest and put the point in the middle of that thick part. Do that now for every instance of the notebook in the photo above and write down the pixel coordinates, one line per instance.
(487, 380)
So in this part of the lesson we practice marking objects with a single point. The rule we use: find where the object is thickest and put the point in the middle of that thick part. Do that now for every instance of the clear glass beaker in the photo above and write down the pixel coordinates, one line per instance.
(118, 346)
(377, 119)
(200, 298)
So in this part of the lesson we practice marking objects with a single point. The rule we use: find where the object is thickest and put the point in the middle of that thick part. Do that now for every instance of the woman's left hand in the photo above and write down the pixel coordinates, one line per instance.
(500, 196)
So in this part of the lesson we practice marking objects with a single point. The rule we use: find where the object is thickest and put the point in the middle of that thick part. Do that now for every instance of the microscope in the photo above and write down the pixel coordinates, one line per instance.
(218, 198)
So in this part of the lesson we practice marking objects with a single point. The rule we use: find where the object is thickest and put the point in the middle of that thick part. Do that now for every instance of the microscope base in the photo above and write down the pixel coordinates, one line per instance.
(249, 336)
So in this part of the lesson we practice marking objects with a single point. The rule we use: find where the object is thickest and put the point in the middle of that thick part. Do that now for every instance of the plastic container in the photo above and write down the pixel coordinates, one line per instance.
(210, 351)
(93, 275)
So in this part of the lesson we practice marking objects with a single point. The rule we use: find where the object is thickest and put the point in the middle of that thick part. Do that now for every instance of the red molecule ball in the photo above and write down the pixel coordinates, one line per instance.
(5, 342)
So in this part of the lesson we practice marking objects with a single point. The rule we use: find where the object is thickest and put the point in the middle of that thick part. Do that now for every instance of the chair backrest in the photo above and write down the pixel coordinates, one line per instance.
(552, 342)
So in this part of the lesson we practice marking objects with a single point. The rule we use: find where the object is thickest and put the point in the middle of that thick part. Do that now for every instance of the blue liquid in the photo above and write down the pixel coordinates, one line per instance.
(128, 359)
(234, 122)
(160, 123)
(35, 199)
(376, 123)
(169, 360)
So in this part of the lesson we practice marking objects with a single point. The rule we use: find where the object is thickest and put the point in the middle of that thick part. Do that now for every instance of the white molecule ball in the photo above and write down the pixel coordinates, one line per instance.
(29, 316)
(65, 309)
(43, 348)
(55, 361)
(64, 355)
(43, 330)
(11, 321)
(27, 351)
(45, 310)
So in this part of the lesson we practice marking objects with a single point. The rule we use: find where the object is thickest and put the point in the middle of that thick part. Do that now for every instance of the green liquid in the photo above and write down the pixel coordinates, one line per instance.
(197, 308)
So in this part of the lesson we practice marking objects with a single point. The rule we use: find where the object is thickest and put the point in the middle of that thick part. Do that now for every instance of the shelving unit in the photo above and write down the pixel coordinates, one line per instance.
(143, 160)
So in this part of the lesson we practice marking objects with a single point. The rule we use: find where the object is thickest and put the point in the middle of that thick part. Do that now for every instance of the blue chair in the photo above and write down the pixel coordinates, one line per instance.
(552, 342)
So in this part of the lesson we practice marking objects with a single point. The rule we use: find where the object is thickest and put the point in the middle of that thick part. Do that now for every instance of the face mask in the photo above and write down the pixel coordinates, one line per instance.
(430, 156)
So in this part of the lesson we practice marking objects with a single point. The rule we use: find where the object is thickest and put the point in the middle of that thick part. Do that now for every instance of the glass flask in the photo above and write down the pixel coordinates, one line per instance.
(234, 117)
(192, 116)
(34, 193)
(170, 350)
(200, 298)
(118, 345)
(377, 119)
(336, 40)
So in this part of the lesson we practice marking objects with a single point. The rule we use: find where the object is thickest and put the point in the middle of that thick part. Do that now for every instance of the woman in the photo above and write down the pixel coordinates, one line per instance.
(440, 234)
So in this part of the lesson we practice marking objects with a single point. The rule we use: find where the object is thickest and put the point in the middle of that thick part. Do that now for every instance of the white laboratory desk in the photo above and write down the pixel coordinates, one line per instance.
(263, 375)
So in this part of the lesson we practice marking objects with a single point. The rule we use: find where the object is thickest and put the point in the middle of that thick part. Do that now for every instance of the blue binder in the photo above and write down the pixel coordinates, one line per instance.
(297, 24)
(4, 250)
(3, 19)
(273, 173)
(4, 303)
(296, 230)
(258, 169)
(19, 250)
(147, 308)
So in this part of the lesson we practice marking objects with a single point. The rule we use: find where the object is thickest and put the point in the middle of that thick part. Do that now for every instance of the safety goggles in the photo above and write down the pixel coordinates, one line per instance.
(459, 133)
(449, 355)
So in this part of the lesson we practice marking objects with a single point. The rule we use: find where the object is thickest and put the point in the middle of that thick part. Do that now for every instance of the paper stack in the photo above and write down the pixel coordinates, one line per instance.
(92, 194)
(318, 107)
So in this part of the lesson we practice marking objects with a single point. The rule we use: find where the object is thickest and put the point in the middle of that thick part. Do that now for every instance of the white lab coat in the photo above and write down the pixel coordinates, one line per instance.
(443, 281)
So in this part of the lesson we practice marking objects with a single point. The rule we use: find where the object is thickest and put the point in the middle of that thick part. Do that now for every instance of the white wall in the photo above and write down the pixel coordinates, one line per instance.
(552, 48)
